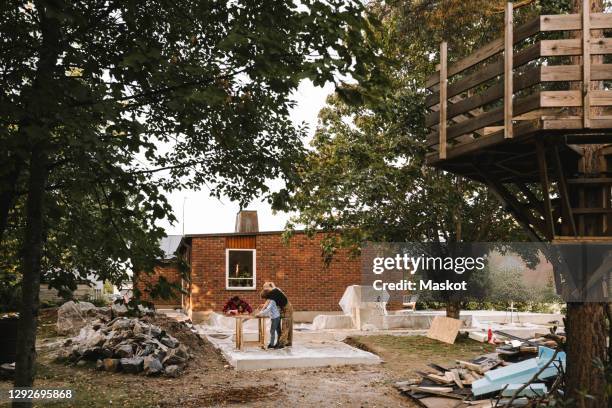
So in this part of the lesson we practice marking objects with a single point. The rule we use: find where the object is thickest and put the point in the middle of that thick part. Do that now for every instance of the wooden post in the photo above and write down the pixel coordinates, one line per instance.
(443, 97)
(261, 328)
(564, 195)
(586, 63)
(508, 85)
(548, 216)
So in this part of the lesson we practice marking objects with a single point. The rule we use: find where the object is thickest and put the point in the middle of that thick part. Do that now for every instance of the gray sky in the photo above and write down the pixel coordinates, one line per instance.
(206, 214)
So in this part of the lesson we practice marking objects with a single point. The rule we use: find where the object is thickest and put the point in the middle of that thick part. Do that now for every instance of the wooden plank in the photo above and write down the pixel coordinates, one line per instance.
(589, 180)
(557, 99)
(543, 168)
(601, 46)
(601, 122)
(597, 122)
(586, 63)
(600, 98)
(601, 20)
(527, 30)
(493, 129)
(444, 329)
(486, 73)
(491, 117)
(554, 48)
(439, 379)
(563, 22)
(531, 197)
(441, 391)
(557, 73)
(566, 207)
(521, 129)
(560, 22)
(522, 32)
(480, 122)
(592, 210)
(508, 87)
(476, 57)
(443, 99)
(542, 23)
(560, 124)
(493, 93)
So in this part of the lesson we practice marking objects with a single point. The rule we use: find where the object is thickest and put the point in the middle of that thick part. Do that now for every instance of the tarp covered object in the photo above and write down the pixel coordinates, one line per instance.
(361, 297)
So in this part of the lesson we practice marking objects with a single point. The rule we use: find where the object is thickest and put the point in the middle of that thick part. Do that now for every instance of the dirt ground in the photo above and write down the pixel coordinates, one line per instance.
(209, 381)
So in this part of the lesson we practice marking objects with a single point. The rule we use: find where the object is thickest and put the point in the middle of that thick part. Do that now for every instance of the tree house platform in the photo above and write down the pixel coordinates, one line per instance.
(520, 110)
(519, 88)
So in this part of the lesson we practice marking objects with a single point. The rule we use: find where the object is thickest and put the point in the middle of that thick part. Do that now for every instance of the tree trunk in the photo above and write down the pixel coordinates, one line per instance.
(7, 197)
(36, 131)
(453, 309)
(30, 285)
(586, 343)
(586, 322)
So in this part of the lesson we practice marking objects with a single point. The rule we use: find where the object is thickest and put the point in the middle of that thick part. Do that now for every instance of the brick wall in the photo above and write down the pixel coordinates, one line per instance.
(298, 269)
(171, 272)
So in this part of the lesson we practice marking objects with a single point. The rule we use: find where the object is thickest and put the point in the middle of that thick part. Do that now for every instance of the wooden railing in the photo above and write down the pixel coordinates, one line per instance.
(503, 89)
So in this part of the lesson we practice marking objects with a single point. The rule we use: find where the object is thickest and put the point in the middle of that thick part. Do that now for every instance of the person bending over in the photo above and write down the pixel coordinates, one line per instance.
(271, 310)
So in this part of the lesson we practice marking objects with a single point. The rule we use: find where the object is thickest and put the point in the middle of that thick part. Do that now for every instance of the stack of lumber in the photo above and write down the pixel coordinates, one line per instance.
(443, 387)
(520, 370)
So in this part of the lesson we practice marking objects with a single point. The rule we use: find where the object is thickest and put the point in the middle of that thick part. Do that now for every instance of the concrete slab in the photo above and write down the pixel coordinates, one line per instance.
(310, 353)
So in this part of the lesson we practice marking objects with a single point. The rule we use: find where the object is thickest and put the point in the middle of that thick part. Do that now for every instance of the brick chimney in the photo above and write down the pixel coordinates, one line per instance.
(246, 222)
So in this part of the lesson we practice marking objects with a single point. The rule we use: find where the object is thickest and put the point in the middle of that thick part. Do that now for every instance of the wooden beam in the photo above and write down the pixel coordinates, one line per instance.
(511, 204)
(589, 210)
(443, 99)
(548, 216)
(560, 22)
(531, 197)
(560, 99)
(554, 48)
(586, 63)
(522, 129)
(508, 87)
(601, 20)
(590, 180)
(569, 22)
(566, 206)
(599, 98)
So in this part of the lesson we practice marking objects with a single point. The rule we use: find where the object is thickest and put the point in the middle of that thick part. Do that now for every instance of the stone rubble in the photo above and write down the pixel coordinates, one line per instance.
(126, 345)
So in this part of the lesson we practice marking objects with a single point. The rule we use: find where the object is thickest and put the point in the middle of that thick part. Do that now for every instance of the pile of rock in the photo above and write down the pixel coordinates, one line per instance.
(73, 316)
(128, 345)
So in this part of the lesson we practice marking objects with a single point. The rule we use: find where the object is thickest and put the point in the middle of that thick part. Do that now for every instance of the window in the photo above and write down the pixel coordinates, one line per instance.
(240, 268)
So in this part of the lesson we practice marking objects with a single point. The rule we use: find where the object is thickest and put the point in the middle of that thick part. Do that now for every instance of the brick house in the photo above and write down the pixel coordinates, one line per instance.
(224, 265)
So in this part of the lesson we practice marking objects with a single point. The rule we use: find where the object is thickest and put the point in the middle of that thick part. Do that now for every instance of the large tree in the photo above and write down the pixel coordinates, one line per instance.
(366, 175)
(105, 104)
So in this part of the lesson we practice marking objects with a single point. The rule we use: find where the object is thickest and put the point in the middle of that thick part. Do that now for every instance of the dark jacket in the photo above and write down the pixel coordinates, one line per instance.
(278, 296)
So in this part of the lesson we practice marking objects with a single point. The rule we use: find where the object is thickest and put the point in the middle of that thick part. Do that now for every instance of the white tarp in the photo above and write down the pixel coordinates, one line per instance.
(321, 322)
(358, 297)
(362, 306)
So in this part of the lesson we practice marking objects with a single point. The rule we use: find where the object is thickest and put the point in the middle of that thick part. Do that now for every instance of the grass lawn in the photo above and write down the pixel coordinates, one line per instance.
(403, 355)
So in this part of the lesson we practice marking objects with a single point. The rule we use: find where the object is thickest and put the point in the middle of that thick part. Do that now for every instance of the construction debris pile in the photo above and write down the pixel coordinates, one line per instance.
(519, 372)
(129, 345)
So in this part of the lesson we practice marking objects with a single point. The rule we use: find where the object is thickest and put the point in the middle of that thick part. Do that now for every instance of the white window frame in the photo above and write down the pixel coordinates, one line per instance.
(227, 285)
